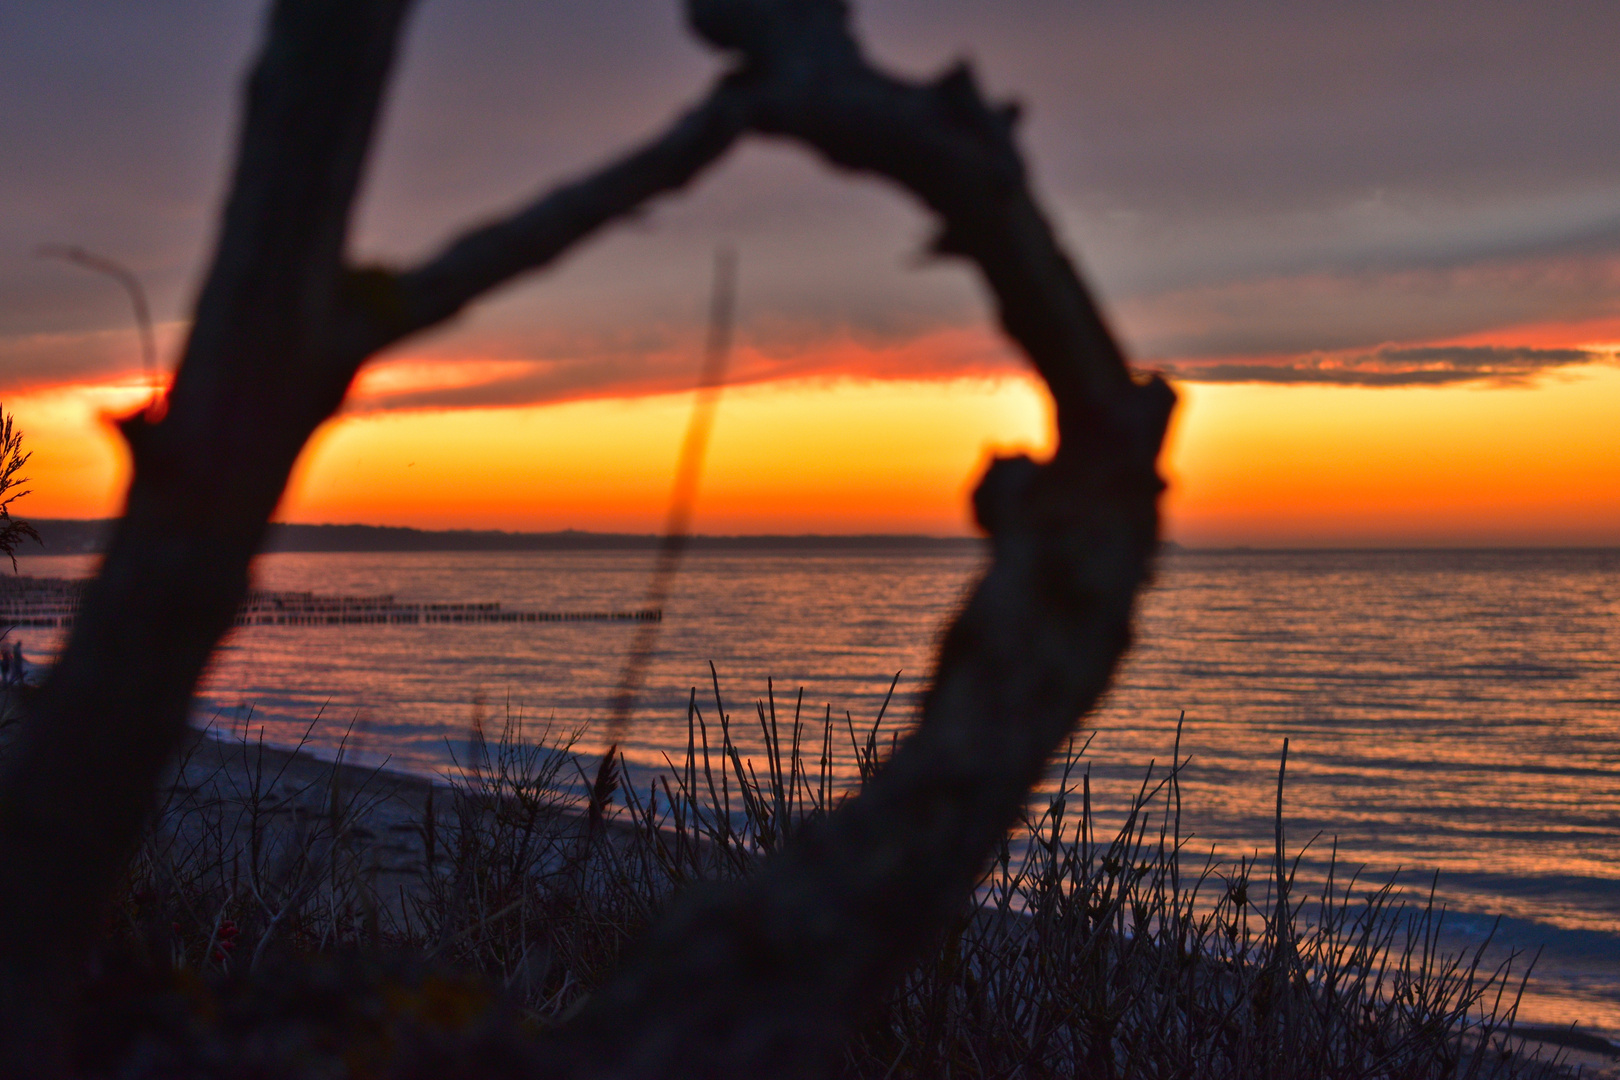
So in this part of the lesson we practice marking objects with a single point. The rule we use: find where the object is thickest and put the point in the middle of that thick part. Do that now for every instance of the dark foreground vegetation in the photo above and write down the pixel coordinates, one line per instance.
(263, 931)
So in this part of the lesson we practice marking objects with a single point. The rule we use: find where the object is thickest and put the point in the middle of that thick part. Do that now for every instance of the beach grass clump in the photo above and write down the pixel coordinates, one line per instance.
(245, 854)
(1086, 951)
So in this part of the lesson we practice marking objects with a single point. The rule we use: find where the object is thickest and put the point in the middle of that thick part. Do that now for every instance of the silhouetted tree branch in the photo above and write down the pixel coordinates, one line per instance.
(765, 979)
(761, 979)
(397, 305)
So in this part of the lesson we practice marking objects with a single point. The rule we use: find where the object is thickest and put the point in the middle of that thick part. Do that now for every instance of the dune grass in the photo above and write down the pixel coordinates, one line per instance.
(1122, 955)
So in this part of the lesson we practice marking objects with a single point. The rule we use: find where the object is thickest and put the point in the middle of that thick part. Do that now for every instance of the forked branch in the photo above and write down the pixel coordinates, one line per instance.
(281, 327)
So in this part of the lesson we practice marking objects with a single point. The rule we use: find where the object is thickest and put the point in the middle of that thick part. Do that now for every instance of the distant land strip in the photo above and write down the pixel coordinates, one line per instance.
(68, 536)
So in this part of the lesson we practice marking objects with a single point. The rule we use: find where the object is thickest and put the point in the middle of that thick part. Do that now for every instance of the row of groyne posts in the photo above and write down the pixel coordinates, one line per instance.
(54, 602)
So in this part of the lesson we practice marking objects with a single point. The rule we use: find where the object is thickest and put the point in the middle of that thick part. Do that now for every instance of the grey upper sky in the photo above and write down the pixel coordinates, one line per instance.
(1246, 183)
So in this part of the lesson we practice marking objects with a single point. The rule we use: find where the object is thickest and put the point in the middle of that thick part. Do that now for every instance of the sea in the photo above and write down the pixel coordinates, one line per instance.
(1452, 717)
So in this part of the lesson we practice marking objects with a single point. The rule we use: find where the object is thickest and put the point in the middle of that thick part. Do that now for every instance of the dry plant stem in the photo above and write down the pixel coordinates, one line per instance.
(281, 327)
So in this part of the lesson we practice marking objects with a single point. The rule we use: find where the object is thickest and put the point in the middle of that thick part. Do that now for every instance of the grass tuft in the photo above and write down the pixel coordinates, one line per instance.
(1124, 955)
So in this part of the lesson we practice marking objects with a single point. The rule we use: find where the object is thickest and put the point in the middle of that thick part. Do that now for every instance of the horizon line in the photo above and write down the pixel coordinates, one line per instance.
(86, 542)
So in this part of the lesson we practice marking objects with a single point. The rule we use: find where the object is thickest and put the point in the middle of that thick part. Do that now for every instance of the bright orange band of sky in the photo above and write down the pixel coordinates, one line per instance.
(1537, 463)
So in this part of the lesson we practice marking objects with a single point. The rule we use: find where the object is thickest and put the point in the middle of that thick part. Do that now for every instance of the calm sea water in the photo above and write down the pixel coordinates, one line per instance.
(1448, 712)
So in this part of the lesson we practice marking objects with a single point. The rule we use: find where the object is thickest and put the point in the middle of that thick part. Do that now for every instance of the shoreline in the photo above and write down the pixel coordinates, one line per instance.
(87, 536)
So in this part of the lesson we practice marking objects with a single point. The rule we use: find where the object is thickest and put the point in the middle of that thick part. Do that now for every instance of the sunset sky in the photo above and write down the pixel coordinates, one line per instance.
(1376, 246)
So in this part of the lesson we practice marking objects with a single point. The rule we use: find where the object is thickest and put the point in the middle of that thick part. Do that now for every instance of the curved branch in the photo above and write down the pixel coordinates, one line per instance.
(945, 145)
(487, 257)
(766, 978)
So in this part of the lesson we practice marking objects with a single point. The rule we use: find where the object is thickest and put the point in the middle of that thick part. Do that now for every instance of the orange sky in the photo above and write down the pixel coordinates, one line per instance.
(1282, 205)
(1477, 463)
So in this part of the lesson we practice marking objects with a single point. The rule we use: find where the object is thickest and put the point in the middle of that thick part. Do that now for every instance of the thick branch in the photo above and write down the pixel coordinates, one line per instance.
(944, 144)
(267, 307)
(82, 777)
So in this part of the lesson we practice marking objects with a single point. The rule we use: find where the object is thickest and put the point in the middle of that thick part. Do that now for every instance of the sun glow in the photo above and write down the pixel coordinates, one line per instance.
(1471, 464)
(811, 456)
(1248, 463)
(79, 465)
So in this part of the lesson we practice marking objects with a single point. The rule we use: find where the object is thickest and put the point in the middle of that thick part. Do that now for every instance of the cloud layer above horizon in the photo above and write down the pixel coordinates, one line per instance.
(1393, 365)
(1368, 195)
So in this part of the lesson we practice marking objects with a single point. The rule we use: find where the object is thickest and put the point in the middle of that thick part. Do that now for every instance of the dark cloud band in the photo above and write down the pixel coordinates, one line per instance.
(1390, 365)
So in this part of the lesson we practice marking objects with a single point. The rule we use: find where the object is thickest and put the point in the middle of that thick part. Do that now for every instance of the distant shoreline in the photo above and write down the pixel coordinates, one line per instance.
(66, 536)
(75, 536)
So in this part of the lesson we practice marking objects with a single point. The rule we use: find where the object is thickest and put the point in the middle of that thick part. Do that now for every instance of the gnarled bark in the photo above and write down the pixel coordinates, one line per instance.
(760, 979)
